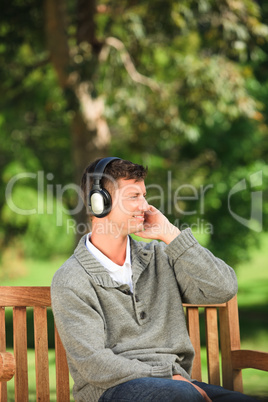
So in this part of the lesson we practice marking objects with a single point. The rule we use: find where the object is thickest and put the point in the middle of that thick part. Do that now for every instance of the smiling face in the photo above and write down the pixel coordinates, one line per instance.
(128, 206)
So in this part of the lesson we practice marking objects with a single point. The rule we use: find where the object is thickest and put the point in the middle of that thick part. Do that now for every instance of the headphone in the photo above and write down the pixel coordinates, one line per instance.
(100, 201)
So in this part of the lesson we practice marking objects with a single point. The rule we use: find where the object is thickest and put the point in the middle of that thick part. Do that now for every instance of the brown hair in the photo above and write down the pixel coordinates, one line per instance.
(117, 169)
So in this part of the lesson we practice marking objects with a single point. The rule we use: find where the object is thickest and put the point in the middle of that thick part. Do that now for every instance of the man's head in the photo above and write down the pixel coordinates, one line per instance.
(115, 171)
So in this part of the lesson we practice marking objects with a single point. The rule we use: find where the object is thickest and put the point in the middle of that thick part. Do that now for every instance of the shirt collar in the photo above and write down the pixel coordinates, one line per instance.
(105, 261)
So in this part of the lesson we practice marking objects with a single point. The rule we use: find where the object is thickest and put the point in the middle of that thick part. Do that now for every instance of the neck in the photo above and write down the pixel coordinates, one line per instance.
(114, 247)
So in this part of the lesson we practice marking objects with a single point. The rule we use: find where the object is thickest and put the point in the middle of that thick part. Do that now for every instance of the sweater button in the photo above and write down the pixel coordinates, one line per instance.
(142, 315)
(127, 292)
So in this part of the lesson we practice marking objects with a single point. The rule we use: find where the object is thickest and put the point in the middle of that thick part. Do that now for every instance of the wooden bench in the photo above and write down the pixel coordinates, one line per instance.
(233, 359)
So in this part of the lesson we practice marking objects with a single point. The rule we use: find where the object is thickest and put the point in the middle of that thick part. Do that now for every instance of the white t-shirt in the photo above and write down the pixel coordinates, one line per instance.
(120, 273)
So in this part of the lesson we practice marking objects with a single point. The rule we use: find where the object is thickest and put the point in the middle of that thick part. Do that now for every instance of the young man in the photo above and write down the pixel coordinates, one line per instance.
(118, 302)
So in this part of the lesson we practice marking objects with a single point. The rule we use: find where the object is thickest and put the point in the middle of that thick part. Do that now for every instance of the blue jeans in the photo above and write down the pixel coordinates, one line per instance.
(151, 389)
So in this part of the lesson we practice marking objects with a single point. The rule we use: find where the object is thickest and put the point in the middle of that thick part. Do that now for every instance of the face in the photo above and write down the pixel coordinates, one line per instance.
(128, 207)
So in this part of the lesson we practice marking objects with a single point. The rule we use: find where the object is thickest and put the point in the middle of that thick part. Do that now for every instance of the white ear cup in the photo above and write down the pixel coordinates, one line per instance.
(100, 201)
(97, 203)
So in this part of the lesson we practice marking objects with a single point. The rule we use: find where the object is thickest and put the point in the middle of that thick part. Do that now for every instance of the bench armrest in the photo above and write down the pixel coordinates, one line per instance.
(249, 359)
(7, 366)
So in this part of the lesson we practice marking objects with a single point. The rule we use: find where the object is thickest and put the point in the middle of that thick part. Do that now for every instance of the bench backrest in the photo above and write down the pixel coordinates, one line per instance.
(38, 299)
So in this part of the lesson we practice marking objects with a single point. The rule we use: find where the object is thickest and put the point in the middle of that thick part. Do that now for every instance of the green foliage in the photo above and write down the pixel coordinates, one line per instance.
(31, 214)
(38, 234)
(207, 122)
(33, 122)
(202, 115)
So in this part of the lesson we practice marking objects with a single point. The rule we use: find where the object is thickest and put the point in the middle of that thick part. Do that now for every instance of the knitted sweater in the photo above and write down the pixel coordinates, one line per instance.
(111, 335)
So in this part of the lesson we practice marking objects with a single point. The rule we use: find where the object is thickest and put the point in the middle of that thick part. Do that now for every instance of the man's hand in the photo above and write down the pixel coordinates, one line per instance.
(178, 377)
(158, 227)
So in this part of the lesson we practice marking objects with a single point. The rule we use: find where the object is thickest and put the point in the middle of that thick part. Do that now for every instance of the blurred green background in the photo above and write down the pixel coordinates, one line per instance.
(180, 86)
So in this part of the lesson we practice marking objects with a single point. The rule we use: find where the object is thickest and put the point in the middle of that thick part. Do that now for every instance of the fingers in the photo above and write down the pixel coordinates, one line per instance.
(152, 210)
(178, 377)
(203, 393)
(140, 234)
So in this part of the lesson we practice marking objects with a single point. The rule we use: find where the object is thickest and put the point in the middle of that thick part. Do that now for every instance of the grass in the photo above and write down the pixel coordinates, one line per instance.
(38, 272)
(253, 311)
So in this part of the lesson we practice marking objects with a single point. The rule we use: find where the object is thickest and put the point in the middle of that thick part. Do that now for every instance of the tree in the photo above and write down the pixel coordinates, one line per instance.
(167, 85)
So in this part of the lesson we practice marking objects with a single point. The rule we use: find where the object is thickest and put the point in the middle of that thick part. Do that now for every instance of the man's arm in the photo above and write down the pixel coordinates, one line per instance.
(202, 277)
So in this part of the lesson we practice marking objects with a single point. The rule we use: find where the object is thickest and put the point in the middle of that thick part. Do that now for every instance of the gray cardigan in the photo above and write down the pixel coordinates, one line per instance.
(111, 335)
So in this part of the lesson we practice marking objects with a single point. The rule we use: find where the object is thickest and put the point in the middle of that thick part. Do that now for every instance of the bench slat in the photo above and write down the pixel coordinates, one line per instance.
(3, 385)
(41, 354)
(230, 340)
(62, 371)
(204, 305)
(20, 352)
(22, 296)
(212, 343)
(194, 333)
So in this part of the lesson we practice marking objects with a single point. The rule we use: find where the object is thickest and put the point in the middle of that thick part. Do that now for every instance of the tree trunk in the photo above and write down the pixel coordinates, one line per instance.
(89, 132)
(84, 151)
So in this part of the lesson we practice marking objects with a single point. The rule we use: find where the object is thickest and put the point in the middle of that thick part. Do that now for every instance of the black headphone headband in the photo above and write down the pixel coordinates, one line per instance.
(100, 167)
